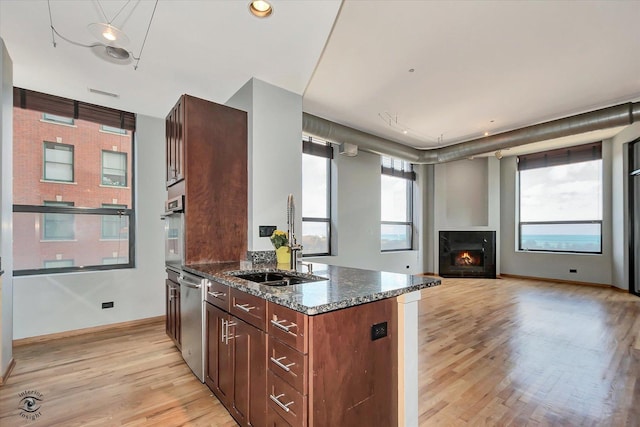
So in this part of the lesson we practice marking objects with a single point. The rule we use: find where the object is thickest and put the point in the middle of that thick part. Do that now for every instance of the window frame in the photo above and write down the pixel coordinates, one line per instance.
(126, 166)
(65, 107)
(45, 162)
(314, 147)
(404, 171)
(551, 158)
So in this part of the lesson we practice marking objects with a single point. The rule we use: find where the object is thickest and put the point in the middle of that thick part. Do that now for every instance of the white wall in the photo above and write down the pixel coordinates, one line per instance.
(275, 156)
(467, 197)
(356, 217)
(6, 207)
(591, 268)
(46, 304)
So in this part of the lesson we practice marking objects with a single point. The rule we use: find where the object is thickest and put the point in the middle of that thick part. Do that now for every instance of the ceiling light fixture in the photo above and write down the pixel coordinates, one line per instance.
(260, 8)
(111, 39)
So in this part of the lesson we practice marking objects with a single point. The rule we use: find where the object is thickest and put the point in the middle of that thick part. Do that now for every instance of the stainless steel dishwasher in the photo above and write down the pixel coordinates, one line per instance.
(192, 299)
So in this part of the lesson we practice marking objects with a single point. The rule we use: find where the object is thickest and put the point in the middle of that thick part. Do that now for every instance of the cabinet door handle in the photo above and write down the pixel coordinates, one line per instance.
(216, 294)
(244, 307)
(279, 324)
(280, 364)
(227, 336)
(284, 406)
(223, 326)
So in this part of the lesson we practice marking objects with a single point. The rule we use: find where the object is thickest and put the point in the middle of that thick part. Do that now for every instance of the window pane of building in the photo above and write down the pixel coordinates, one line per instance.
(315, 202)
(396, 205)
(316, 199)
(58, 263)
(58, 226)
(395, 237)
(114, 168)
(394, 199)
(30, 251)
(58, 162)
(57, 119)
(561, 208)
(114, 226)
(315, 237)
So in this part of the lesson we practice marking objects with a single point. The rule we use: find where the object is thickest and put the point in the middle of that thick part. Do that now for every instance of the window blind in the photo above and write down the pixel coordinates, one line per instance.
(32, 100)
(319, 148)
(561, 156)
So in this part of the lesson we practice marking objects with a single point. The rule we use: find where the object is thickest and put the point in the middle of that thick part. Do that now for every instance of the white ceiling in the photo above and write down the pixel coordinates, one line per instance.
(479, 66)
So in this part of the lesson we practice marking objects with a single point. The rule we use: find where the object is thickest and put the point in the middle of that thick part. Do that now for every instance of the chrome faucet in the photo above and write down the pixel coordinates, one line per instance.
(294, 247)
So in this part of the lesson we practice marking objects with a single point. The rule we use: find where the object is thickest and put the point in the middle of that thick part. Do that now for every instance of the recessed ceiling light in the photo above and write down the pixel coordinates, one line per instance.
(260, 8)
(486, 134)
(411, 70)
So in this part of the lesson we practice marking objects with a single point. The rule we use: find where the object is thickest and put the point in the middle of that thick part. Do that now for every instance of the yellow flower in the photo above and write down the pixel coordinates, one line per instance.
(279, 238)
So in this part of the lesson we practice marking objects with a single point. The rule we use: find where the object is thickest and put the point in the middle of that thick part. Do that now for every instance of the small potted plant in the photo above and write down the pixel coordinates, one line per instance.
(280, 241)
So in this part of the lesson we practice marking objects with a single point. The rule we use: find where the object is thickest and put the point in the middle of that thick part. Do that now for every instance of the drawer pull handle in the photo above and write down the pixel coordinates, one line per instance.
(280, 364)
(279, 324)
(223, 329)
(244, 307)
(284, 406)
(216, 294)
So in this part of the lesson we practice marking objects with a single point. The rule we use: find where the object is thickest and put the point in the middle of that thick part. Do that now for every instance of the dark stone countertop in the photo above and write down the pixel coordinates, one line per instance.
(335, 288)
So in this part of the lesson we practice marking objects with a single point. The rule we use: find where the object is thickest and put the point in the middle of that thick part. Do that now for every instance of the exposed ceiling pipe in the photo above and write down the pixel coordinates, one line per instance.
(619, 115)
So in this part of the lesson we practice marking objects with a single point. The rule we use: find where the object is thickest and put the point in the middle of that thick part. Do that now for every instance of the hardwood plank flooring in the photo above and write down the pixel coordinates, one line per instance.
(528, 353)
(507, 352)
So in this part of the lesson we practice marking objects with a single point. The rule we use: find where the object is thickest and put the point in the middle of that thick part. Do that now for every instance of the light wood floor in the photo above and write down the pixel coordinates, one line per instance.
(493, 352)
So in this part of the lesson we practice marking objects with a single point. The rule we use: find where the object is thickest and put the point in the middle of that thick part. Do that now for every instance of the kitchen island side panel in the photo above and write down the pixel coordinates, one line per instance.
(354, 378)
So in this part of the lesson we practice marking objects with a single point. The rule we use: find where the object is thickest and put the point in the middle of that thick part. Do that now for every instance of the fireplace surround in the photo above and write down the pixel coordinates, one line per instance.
(468, 254)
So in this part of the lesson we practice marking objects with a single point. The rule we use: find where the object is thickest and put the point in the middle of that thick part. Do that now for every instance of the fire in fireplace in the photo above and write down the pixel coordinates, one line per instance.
(468, 254)
(467, 258)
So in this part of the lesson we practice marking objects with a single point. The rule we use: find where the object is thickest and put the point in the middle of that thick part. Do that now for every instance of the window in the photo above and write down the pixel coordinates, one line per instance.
(396, 202)
(111, 129)
(97, 230)
(57, 119)
(58, 226)
(561, 200)
(58, 162)
(58, 263)
(114, 168)
(114, 227)
(316, 197)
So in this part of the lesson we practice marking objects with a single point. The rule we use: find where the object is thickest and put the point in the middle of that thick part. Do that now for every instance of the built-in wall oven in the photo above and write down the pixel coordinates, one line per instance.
(174, 233)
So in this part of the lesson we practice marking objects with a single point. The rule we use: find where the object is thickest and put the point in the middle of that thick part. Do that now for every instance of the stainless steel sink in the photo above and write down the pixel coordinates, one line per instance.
(276, 279)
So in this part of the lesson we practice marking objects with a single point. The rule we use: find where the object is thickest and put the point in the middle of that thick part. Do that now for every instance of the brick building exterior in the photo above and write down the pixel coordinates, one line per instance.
(60, 162)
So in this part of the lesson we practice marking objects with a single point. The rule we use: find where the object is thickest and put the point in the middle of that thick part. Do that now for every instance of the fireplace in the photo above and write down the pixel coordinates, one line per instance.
(468, 254)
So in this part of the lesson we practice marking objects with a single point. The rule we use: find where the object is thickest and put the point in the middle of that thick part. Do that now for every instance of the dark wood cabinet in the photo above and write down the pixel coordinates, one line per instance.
(206, 162)
(175, 144)
(235, 370)
(172, 318)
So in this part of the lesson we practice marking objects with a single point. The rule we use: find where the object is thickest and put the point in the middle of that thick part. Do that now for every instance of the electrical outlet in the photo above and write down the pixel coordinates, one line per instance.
(107, 304)
(266, 230)
(379, 330)
(573, 270)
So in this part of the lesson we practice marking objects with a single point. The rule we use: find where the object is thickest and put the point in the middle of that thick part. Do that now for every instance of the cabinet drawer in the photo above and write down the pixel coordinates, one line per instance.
(288, 326)
(288, 364)
(275, 420)
(288, 403)
(218, 295)
(250, 308)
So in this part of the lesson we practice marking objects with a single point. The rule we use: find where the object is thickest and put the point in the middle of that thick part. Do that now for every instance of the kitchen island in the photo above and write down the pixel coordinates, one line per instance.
(341, 349)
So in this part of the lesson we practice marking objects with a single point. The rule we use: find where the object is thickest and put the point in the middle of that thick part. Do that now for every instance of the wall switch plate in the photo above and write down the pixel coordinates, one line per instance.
(107, 304)
(379, 330)
(266, 230)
